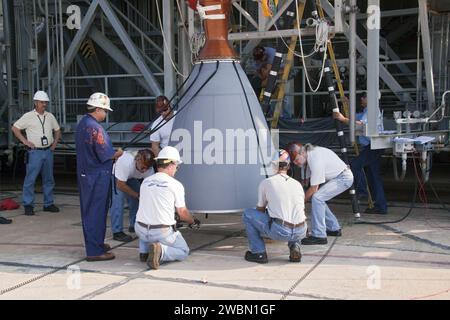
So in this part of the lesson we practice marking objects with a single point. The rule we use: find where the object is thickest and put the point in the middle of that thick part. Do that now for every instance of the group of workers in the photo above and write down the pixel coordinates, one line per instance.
(145, 178)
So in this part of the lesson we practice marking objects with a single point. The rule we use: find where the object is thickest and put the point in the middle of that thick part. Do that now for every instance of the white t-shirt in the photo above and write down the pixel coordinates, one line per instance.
(159, 196)
(32, 122)
(162, 135)
(125, 168)
(284, 198)
(324, 165)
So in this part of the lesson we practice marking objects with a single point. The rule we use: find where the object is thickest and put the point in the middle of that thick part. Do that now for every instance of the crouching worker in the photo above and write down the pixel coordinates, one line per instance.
(279, 214)
(333, 176)
(159, 195)
(128, 172)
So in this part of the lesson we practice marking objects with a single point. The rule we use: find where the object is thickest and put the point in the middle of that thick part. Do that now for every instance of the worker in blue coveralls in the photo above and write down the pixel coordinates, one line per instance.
(95, 155)
(370, 159)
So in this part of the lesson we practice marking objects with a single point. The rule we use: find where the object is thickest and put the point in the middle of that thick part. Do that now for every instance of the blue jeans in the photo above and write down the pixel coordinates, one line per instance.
(260, 224)
(371, 160)
(118, 198)
(322, 219)
(39, 161)
(173, 245)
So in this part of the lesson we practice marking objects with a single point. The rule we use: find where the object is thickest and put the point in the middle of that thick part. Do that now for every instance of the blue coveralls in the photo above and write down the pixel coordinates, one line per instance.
(94, 167)
(371, 160)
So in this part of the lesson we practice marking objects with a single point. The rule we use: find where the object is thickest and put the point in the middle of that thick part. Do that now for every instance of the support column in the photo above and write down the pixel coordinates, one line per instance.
(169, 73)
(352, 61)
(7, 39)
(373, 58)
(425, 32)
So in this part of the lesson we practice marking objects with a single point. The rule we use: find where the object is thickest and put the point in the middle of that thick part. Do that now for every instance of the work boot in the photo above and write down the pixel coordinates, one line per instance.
(336, 233)
(29, 211)
(256, 257)
(314, 240)
(51, 208)
(122, 237)
(143, 257)
(5, 221)
(103, 257)
(154, 255)
(295, 254)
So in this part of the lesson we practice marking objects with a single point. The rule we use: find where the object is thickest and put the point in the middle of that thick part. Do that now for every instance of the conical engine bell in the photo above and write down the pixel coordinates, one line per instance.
(219, 128)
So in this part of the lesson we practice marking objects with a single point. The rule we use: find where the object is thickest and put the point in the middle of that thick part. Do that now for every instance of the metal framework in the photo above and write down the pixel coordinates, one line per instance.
(130, 39)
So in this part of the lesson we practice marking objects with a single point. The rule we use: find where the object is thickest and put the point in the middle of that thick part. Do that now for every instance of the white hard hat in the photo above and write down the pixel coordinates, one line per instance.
(169, 153)
(99, 100)
(41, 96)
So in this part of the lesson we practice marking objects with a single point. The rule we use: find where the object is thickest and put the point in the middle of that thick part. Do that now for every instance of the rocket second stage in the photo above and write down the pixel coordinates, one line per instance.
(224, 157)
(220, 129)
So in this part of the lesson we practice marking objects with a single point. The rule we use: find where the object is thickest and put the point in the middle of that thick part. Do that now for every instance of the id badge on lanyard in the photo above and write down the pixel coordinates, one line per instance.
(44, 140)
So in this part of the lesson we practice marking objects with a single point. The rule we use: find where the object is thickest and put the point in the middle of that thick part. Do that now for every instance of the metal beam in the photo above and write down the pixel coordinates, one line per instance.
(373, 58)
(352, 62)
(426, 45)
(169, 54)
(396, 88)
(132, 50)
(401, 29)
(391, 13)
(80, 35)
(245, 14)
(394, 57)
(253, 43)
(273, 34)
(117, 55)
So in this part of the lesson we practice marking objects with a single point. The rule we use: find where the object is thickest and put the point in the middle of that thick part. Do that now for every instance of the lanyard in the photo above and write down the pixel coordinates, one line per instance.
(42, 124)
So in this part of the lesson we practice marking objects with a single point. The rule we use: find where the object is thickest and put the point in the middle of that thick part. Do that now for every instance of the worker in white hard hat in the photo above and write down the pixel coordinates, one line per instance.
(279, 213)
(42, 136)
(155, 223)
(95, 156)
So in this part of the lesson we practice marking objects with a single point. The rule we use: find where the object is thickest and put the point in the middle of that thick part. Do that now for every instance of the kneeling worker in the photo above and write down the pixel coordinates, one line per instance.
(159, 195)
(279, 214)
(333, 176)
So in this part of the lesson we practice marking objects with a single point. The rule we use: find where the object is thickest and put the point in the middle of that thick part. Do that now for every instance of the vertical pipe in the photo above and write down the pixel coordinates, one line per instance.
(184, 49)
(56, 58)
(304, 116)
(446, 53)
(169, 74)
(62, 66)
(7, 39)
(373, 57)
(418, 70)
(36, 64)
(49, 71)
(352, 61)
(441, 48)
(423, 15)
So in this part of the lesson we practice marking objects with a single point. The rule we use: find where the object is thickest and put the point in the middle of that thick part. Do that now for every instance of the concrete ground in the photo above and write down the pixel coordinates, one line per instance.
(41, 257)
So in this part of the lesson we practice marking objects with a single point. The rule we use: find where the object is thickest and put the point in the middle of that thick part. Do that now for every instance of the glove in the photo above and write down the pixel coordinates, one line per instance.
(196, 224)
